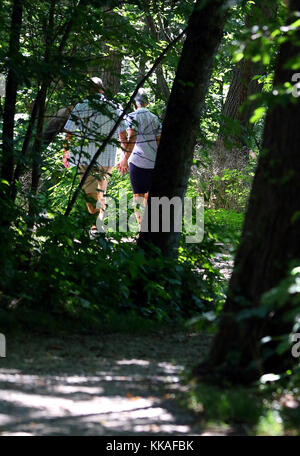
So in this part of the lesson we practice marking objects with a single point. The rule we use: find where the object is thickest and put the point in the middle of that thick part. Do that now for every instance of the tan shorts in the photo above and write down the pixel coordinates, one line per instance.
(97, 180)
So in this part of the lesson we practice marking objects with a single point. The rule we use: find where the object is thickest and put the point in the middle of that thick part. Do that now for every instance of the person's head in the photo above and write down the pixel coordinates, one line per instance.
(141, 99)
(95, 86)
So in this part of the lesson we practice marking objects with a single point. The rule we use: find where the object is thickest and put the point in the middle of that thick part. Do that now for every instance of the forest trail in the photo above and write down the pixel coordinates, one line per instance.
(107, 385)
(110, 385)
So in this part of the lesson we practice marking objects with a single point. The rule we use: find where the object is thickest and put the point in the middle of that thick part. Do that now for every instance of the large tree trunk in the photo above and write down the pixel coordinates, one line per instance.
(161, 85)
(181, 124)
(111, 72)
(7, 169)
(241, 88)
(269, 242)
(111, 65)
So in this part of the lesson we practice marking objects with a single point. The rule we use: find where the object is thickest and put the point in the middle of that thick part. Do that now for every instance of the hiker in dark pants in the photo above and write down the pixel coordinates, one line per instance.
(144, 129)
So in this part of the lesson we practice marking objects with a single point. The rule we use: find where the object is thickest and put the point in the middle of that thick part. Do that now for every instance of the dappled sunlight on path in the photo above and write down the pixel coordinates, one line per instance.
(107, 385)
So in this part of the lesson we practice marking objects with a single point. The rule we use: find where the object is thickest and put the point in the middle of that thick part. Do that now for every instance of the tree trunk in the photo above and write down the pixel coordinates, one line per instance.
(7, 169)
(56, 124)
(142, 69)
(38, 140)
(112, 64)
(241, 88)
(181, 124)
(37, 151)
(20, 168)
(111, 72)
(270, 241)
(39, 102)
(162, 86)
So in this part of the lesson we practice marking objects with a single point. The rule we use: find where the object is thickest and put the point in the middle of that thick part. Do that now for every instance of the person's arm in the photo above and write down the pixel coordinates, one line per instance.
(130, 143)
(127, 147)
(158, 131)
(123, 139)
(66, 152)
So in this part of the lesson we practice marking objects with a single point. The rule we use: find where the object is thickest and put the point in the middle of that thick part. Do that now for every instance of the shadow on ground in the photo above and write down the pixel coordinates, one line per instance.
(88, 385)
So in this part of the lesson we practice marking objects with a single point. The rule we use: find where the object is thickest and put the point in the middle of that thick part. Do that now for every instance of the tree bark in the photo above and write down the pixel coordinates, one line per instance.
(162, 86)
(55, 125)
(111, 65)
(270, 241)
(142, 69)
(38, 140)
(241, 88)
(11, 93)
(181, 124)
(37, 150)
(111, 72)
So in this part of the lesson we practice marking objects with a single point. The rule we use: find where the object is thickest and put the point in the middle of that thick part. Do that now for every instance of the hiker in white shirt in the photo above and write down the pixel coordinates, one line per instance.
(144, 129)
(90, 123)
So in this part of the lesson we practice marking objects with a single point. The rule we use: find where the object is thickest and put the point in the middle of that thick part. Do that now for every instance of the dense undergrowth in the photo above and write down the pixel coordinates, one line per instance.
(54, 272)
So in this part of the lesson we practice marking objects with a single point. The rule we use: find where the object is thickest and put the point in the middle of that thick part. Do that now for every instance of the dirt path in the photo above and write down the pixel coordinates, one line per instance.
(108, 385)
(116, 384)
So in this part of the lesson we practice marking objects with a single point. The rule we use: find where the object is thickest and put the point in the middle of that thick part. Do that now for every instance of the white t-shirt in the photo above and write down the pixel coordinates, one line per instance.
(147, 127)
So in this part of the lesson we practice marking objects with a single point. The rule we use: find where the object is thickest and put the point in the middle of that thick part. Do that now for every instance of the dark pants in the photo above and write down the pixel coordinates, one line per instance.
(140, 178)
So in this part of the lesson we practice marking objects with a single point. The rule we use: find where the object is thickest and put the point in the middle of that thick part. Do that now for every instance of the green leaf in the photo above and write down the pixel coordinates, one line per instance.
(258, 114)
(238, 57)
